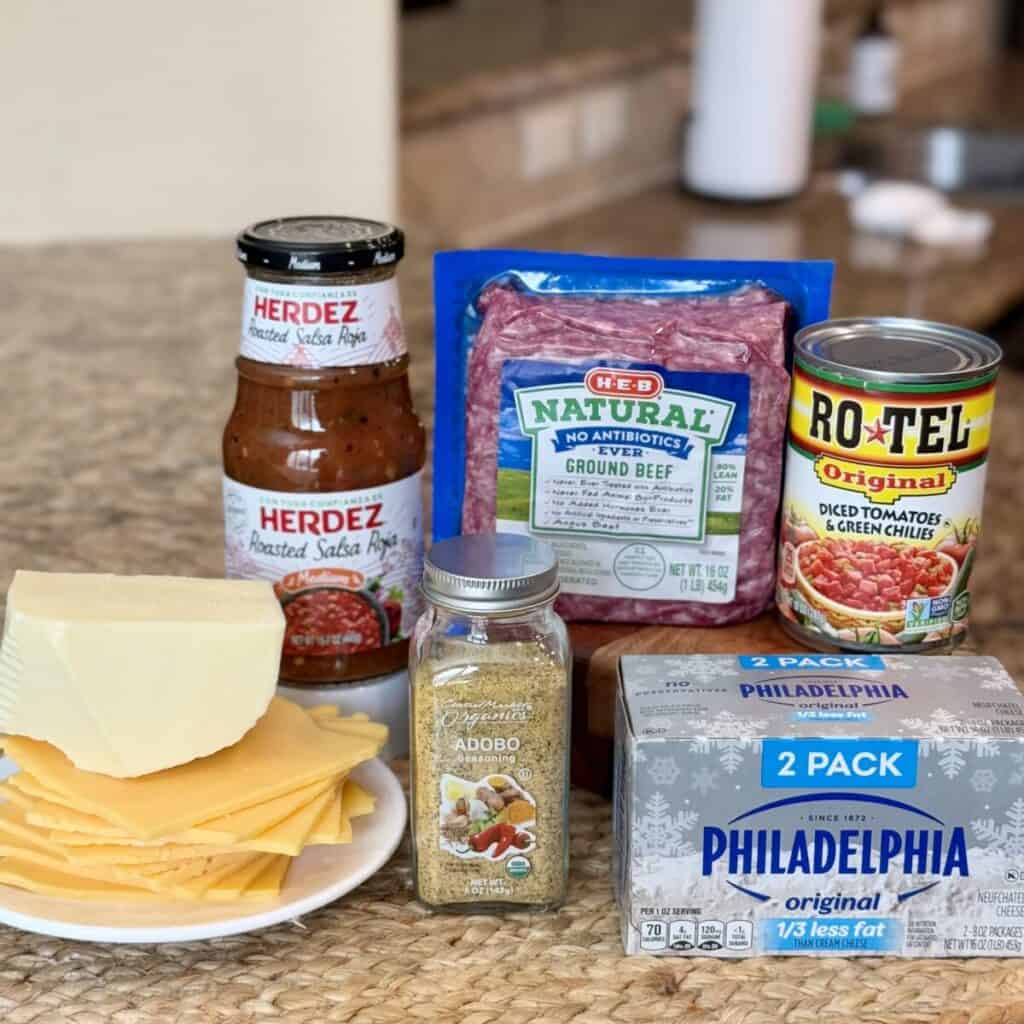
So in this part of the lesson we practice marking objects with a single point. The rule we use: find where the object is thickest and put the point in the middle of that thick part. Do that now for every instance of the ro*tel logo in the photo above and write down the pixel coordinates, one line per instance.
(625, 383)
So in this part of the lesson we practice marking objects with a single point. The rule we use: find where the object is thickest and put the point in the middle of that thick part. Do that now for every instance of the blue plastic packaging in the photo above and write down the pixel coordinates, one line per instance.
(461, 276)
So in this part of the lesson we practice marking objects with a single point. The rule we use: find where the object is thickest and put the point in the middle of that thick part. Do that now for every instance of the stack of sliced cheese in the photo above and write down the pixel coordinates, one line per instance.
(126, 804)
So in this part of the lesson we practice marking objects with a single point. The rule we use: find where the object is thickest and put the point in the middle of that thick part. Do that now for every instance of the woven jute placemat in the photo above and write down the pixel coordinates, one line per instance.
(376, 957)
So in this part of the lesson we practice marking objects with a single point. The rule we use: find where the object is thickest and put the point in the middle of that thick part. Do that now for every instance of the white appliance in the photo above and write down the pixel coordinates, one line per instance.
(753, 98)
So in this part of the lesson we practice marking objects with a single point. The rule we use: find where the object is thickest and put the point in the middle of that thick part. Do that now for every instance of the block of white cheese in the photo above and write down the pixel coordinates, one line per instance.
(131, 674)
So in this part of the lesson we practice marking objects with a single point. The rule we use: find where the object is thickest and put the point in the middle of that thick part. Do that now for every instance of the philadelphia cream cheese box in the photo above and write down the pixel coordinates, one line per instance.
(819, 805)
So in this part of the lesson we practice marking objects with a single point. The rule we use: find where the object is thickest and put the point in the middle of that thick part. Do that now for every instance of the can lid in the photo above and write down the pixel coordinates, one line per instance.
(895, 350)
(320, 245)
(490, 572)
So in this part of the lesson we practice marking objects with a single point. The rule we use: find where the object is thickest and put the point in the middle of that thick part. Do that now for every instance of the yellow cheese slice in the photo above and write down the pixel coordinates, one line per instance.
(187, 883)
(335, 827)
(189, 879)
(286, 837)
(328, 826)
(267, 885)
(91, 856)
(355, 727)
(169, 853)
(232, 886)
(169, 873)
(249, 822)
(344, 829)
(17, 782)
(218, 868)
(291, 835)
(322, 711)
(286, 749)
(26, 784)
(50, 881)
(356, 801)
(16, 833)
(80, 829)
(19, 799)
(25, 853)
(260, 879)
(15, 829)
(259, 819)
(43, 814)
(112, 670)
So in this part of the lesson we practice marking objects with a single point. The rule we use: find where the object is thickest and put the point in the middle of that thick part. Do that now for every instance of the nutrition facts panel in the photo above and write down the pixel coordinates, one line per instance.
(688, 934)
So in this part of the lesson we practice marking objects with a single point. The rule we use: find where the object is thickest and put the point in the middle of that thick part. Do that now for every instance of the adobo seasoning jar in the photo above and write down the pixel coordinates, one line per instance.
(489, 728)
(323, 451)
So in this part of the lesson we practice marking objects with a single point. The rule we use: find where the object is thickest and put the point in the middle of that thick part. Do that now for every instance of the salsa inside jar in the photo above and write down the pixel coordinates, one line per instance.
(323, 450)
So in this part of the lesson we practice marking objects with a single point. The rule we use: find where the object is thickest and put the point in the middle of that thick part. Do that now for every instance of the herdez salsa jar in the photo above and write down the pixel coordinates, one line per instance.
(889, 429)
(323, 451)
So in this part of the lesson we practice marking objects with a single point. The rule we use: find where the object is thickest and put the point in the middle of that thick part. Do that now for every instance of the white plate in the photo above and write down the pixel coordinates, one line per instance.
(321, 875)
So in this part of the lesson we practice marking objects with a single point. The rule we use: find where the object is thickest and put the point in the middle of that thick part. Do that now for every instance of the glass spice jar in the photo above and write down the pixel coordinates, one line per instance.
(489, 728)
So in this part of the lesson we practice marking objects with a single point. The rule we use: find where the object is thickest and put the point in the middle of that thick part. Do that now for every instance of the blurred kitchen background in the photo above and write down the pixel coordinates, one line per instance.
(140, 137)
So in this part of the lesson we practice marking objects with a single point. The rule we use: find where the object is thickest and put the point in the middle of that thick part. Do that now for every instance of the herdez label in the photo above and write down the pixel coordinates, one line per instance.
(882, 507)
(634, 473)
(345, 565)
(314, 326)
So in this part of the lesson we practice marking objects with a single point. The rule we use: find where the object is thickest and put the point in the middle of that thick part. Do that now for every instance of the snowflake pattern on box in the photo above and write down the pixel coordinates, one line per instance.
(983, 780)
(942, 742)
(703, 780)
(1006, 836)
(993, 677)
(702, 670)
(663, 770)
(1017, 775)
(731, 736)
(658, 833)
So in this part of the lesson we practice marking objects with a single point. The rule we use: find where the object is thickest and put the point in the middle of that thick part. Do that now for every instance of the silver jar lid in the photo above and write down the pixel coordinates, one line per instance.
(490, 573)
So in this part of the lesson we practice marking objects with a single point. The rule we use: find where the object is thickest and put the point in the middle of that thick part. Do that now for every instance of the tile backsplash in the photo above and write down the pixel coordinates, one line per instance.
(512, 120)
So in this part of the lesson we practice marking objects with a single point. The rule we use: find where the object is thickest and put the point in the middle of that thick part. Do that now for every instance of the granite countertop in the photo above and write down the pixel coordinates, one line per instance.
(118, 376)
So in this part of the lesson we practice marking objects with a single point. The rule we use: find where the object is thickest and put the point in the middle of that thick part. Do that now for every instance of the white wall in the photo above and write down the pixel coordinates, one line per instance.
(128, 118)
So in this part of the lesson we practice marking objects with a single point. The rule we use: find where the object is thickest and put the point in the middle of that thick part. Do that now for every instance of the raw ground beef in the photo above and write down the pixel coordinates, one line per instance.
(740, 332)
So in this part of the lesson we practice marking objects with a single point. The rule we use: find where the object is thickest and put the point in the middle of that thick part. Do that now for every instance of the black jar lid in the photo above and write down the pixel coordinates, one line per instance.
(320, 245)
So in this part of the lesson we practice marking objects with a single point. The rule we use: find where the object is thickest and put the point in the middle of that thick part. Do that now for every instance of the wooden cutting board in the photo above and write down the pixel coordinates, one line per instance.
(596, 652)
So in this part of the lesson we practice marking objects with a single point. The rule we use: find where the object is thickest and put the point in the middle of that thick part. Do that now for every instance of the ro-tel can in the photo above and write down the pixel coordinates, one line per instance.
(889, 429)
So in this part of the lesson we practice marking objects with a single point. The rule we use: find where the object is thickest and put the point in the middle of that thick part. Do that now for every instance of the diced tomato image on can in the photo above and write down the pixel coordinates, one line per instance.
(855, 577)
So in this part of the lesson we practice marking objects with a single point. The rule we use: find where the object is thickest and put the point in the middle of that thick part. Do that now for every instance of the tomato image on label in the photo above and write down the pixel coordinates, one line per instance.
(338, 612)
(869, 576)
(327, 621)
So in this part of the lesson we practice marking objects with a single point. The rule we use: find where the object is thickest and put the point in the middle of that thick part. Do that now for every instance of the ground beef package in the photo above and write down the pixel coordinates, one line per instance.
(630, 412)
